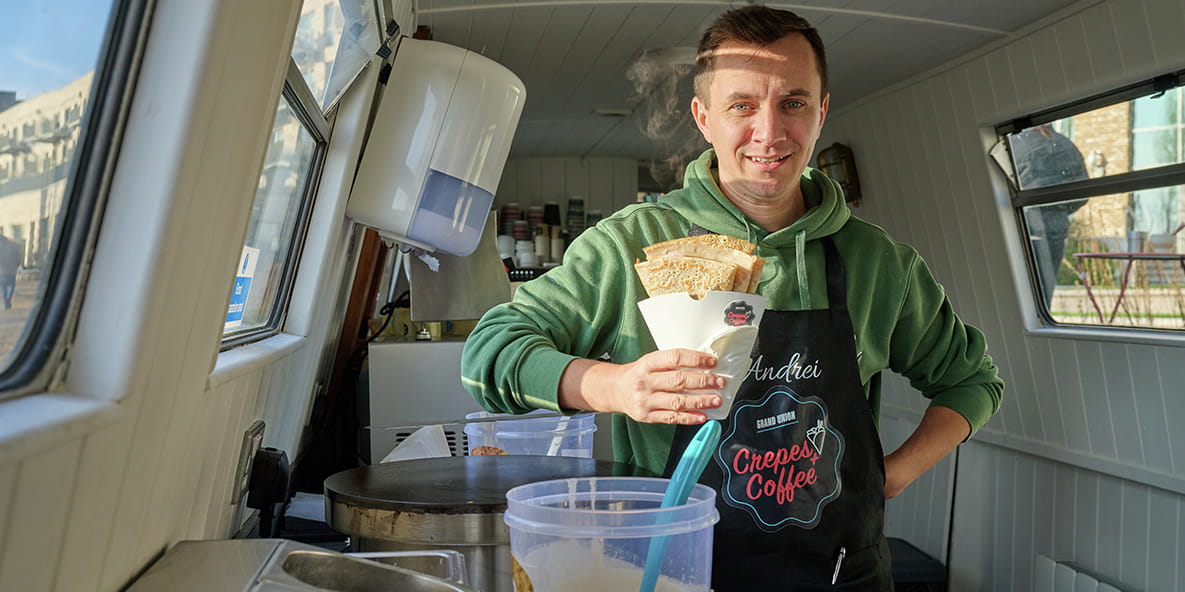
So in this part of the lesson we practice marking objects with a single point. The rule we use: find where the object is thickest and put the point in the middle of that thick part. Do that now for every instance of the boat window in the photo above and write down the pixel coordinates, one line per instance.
(1099, 192)
(63, 87)
(267, 265)
(334, 41)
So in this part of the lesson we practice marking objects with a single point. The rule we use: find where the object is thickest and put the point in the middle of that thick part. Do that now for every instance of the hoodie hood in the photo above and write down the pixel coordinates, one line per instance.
(704, 205)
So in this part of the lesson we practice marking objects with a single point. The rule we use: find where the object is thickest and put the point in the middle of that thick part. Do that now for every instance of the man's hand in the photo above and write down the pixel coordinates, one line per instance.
(660, 387)
(941, 430)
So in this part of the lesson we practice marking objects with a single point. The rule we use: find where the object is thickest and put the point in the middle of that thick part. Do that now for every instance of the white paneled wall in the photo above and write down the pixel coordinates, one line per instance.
(98, 500)
(1115, 530)
(40, 482)
(606, 184)
(89, 501)
(1056, 576)
(919, 514)
(1085, 462)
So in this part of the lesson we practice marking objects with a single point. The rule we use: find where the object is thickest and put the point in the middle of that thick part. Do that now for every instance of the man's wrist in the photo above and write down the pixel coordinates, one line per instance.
(583, 386)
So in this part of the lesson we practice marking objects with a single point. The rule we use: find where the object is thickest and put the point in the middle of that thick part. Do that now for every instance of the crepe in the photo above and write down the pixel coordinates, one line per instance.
(699, 264)
(693, 275)
(715, 240)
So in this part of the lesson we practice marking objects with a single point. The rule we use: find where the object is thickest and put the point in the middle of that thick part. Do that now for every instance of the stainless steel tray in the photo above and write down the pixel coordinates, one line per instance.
(443, 564)
(277, 565)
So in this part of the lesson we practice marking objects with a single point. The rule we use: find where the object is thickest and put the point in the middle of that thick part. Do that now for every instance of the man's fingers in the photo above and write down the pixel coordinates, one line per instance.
(680, 381)
(677, 408)
(670, 359)
(675, 418)
(671, 386)
(683, 380)
(687, 401)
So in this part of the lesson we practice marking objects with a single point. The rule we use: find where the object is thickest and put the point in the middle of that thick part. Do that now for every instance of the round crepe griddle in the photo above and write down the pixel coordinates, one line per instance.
(459, 484)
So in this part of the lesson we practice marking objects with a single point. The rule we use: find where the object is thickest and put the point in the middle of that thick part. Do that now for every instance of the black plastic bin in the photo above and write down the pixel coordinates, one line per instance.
(914, 570)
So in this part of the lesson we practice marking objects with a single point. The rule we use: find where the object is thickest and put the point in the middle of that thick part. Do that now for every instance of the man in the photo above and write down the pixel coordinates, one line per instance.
(800, 496)
(11, 254)
(1043, 158)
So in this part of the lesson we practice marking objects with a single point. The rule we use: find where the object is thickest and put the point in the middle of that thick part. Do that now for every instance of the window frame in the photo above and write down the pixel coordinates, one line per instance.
(1150, 178)
(387, 33)
(299, 98)
(49, 329)
(308, 110)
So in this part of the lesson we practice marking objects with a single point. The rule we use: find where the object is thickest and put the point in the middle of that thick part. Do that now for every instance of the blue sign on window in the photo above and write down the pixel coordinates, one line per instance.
(242, 287)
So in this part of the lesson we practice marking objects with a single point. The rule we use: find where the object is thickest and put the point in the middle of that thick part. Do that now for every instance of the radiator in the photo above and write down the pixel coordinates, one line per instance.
(1057, 576)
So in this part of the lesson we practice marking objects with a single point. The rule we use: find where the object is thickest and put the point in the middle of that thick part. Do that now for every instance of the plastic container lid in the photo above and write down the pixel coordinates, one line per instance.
(607, 507)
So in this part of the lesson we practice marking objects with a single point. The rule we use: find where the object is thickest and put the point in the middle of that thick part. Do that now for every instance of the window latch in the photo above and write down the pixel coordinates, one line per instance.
(1164, 83)
(1020, 124)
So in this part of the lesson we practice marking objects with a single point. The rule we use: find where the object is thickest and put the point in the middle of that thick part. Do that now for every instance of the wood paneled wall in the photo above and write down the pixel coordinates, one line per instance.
(1084, 461)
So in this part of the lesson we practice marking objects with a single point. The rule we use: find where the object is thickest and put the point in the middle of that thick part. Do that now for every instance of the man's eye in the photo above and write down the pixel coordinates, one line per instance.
(741, 107)
(795, 104)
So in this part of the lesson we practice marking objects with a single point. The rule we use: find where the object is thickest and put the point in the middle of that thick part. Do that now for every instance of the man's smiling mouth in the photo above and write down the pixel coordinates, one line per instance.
(761, 160)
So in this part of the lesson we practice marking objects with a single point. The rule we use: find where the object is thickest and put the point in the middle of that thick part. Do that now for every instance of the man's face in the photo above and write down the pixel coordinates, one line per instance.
(763, 114)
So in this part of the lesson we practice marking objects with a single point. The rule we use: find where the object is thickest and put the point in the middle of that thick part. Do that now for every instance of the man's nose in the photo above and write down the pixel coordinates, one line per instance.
(768, 127)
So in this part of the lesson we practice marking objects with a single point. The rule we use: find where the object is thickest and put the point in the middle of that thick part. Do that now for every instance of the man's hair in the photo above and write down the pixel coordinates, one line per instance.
(753, 24)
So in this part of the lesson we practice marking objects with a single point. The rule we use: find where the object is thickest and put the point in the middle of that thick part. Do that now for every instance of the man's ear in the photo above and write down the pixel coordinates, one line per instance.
(699, 112)
(823, 110)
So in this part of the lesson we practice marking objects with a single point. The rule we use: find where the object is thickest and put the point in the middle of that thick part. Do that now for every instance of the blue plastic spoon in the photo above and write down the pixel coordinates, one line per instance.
(687, 473)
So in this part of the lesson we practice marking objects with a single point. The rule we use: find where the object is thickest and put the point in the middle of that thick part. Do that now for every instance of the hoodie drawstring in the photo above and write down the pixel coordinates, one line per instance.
(804, 296)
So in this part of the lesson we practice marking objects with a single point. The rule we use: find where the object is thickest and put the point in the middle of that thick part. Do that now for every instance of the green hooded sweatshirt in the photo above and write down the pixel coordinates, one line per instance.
(587, 308)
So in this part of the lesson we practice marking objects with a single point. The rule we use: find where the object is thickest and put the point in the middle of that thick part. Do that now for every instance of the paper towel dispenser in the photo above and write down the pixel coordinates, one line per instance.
(437, 148)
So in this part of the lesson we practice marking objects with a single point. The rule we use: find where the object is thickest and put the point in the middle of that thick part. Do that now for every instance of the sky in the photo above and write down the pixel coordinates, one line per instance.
(48, 44)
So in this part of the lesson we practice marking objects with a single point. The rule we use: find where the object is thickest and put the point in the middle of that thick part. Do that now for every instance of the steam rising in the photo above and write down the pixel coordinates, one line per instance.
(663, 112)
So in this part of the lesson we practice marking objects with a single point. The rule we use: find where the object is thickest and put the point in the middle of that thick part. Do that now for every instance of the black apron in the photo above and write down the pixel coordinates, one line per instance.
(799, 472)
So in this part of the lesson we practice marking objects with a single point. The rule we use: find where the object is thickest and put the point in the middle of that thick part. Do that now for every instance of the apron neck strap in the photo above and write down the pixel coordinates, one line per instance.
(837, 291)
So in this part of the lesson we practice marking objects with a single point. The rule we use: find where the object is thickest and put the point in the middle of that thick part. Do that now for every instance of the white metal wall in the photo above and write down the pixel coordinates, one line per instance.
(1086, 446)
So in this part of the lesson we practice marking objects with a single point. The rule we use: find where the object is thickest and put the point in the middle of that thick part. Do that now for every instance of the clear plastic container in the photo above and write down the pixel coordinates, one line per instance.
(538, 432)
(593, 534)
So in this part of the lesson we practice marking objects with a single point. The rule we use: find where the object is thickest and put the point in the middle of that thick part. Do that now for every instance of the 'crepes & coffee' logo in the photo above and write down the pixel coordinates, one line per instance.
(783, 467)
(738, 314)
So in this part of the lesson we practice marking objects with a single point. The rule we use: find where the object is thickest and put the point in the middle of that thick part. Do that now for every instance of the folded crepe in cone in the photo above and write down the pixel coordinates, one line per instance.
(699, 264)
(702, 298)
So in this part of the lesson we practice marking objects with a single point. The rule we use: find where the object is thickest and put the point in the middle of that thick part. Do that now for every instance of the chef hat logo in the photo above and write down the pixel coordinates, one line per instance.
(738, 314)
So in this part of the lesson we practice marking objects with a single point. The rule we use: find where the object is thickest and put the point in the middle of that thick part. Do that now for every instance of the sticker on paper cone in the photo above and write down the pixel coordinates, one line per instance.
(738, 314)
(780, 460)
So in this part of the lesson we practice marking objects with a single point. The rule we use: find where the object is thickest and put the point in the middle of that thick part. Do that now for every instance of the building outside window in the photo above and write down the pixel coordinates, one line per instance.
(1100, 195)
(1157, 126)
(52, 99)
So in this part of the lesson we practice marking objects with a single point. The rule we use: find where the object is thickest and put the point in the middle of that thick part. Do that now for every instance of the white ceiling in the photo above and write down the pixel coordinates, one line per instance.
(573, 55)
